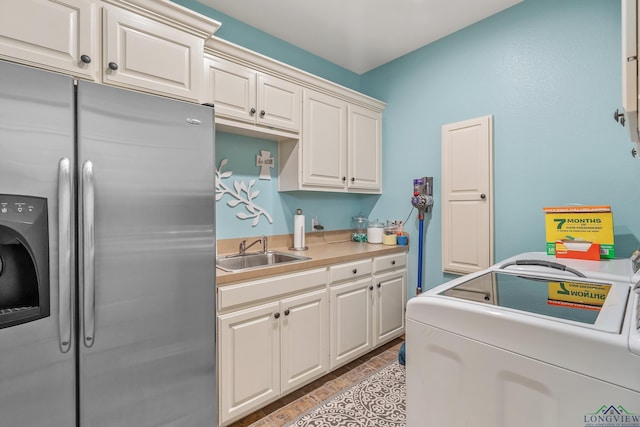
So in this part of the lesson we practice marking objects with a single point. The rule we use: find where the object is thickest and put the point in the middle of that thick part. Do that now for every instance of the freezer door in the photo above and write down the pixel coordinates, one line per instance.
(146, 255)
(37, 371)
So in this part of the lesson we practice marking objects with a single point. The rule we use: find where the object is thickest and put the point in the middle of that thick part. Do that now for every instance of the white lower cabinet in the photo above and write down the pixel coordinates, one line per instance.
(366, 312)
(282, 332)
(350, 307)
(274, 347)
(389, 315)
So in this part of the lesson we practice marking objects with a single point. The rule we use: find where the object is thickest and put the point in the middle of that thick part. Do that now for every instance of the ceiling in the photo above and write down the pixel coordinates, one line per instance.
(359, 35)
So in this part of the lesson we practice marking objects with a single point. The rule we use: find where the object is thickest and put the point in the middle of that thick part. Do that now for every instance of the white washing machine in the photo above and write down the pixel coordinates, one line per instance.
(533, 341)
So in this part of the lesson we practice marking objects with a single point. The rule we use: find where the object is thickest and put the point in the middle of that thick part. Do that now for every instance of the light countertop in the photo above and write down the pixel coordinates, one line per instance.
(333, 247)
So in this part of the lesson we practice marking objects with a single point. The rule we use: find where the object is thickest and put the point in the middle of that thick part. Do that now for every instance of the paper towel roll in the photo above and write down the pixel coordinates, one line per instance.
(298, 230)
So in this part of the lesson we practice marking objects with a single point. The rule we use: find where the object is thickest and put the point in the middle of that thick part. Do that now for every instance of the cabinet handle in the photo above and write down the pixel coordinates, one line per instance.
(393, 262)
(354, 271)
(113, 66)
(277, 315)
(263, 113)
(86, 59)
(286, 312)
(371, 287)
(252, 111)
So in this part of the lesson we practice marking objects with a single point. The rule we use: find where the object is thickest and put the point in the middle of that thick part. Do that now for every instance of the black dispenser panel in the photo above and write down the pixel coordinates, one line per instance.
(24, 259)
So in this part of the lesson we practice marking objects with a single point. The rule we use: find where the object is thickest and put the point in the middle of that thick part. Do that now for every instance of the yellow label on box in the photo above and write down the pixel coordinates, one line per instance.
(581, 293)
(582, 223)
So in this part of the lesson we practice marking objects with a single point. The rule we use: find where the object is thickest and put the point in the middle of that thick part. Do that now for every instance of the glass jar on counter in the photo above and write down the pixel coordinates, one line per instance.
(390, 234)
(359, 228)
(374, 231)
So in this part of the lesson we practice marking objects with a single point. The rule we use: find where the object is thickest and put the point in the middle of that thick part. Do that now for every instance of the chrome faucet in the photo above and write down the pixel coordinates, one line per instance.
(243, 245)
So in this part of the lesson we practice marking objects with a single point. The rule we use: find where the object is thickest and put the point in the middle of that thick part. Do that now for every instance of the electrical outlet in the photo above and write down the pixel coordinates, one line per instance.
(314, 222)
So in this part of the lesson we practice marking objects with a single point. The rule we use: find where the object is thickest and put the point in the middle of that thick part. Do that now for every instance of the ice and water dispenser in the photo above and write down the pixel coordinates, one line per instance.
(24, 259)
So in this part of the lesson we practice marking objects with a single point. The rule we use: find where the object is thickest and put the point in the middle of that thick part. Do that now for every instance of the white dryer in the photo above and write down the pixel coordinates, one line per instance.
(533, 341)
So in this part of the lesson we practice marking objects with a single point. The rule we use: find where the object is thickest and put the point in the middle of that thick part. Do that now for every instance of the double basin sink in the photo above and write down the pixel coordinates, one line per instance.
(237, 262)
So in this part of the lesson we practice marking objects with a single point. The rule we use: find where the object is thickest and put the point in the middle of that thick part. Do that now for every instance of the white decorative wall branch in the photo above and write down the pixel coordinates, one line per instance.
(242, 193)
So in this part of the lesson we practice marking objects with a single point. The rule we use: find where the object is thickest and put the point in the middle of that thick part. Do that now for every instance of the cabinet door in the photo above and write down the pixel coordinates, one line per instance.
(365, 149)
(390, 305)
(248, 360)
(140, 53)
(51, 34)
(279, 103)
(324, 141)
(350, 320)
(232, 89)
(304, 338)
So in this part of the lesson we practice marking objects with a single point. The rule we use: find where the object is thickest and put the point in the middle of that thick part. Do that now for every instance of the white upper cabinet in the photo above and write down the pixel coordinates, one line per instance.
(364, 149)
(340, 149)
(330, 137)
(59, 35)
(154, 46)
(158, 50)
(324, 144)
(244, 96)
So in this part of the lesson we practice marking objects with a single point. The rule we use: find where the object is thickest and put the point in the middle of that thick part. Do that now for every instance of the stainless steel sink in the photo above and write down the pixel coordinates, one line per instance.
(234, 263)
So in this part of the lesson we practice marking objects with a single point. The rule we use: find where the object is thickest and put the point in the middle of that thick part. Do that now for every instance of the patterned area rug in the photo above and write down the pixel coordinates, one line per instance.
(377, 401)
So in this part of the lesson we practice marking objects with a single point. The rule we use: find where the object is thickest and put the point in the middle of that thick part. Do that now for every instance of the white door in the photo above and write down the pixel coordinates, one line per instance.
(249, 359)
(351, 314)
(304, 338)
(467, 195)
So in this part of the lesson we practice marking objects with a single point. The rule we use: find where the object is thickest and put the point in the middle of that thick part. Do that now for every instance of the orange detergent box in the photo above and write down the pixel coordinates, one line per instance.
(583, 232)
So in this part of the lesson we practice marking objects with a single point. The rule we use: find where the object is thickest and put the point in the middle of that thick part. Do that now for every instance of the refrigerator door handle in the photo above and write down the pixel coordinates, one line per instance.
(64, 254)
(88, 256)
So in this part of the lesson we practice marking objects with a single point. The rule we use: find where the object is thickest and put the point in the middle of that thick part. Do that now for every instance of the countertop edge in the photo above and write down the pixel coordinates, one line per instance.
(340, 253)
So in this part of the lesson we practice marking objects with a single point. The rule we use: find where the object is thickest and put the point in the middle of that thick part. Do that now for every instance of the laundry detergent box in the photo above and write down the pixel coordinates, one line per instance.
(583, 232)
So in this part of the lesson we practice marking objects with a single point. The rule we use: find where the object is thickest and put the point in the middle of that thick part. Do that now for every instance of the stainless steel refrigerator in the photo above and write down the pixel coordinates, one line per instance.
(108, 196)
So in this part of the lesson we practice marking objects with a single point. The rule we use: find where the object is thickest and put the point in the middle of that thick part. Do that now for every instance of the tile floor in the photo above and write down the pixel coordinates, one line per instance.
(300, 401)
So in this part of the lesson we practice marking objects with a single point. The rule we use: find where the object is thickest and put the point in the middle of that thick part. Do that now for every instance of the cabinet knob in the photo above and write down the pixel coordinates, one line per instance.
(86, 59)
(353, 179)
(354, 271)
(379, 285)
(344, 178)
(113, 66)
(483, 196)
(262, 113)
(253, 111)
(277, 315)
(286, 312)
(371, 288)
(393, 262)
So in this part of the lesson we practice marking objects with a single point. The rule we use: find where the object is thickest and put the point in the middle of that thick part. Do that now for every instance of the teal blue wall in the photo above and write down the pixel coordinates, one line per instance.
(549, 73)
